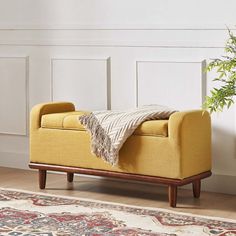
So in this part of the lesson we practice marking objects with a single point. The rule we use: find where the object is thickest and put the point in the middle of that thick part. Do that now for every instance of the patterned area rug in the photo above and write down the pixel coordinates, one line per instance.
(32, 214)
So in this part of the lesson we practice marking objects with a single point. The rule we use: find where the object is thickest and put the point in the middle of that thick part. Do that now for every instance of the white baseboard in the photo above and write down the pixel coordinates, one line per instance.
(216, 183)
(14, 160)
(220, 184)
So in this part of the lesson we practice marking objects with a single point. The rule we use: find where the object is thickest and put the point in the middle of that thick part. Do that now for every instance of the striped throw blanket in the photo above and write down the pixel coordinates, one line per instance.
(110, 129)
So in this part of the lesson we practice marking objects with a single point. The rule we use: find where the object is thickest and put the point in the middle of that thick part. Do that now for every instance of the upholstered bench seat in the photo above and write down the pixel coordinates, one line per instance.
(173, 152)
(69, 120)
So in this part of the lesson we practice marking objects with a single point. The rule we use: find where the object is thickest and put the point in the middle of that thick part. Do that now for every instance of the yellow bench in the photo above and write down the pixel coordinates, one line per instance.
(173, 152)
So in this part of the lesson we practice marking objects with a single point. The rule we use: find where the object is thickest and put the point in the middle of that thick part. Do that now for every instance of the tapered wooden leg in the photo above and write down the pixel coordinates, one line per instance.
(42, 178)
(172, 194)
(196, 188)
(70, 177)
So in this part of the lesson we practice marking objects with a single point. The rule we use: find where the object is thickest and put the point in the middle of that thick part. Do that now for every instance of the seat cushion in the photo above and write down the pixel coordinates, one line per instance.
(69, 121)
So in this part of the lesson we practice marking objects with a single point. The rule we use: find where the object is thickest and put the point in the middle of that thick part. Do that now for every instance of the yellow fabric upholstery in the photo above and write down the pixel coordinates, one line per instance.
(69, 120)
(64, 120)
(153, 128)
(184, 153)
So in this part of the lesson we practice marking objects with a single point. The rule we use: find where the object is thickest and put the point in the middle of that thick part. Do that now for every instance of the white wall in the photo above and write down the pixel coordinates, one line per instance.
(120, 50)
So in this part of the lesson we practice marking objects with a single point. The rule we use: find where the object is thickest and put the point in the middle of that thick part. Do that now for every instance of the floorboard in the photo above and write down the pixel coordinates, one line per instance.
(135, 193)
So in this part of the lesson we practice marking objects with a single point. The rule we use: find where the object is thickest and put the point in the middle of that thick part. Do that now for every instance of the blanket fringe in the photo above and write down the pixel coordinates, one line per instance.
(101, 144)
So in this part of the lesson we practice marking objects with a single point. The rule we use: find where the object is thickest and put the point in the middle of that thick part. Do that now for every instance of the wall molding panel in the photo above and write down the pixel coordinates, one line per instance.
(109, 27)
(92, 88)
(116, 36)
(15, 95)
(170, 87)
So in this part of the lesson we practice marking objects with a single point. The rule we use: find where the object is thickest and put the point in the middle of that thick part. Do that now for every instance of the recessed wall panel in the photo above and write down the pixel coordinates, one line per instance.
(180, 85)
(82, 81)
(13, 95)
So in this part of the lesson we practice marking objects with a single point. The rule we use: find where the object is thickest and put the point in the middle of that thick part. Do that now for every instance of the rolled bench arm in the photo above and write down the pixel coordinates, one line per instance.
(47, 108)
(195, 123)
(190, 136)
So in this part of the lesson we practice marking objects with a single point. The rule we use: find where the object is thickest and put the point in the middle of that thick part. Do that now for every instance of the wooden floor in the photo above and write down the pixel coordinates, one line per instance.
(139, 194)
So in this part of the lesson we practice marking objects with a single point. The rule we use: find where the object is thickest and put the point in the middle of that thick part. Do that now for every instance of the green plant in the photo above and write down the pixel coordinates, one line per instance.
(223, 96)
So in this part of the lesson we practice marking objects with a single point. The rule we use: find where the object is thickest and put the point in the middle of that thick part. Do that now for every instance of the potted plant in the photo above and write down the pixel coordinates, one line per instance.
(223, 96)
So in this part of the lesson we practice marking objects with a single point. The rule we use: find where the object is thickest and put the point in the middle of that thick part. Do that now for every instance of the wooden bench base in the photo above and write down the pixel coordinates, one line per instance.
(172, 183)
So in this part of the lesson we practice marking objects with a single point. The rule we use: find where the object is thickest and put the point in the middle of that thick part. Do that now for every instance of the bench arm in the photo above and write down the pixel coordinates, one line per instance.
(190, 135)
(47, 108)
(197, 120)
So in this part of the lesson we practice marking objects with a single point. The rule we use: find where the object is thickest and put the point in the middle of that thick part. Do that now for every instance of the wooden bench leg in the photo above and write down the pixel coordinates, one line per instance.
(172, 194)
(196, 188)
(42, 178)
(70, 177)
